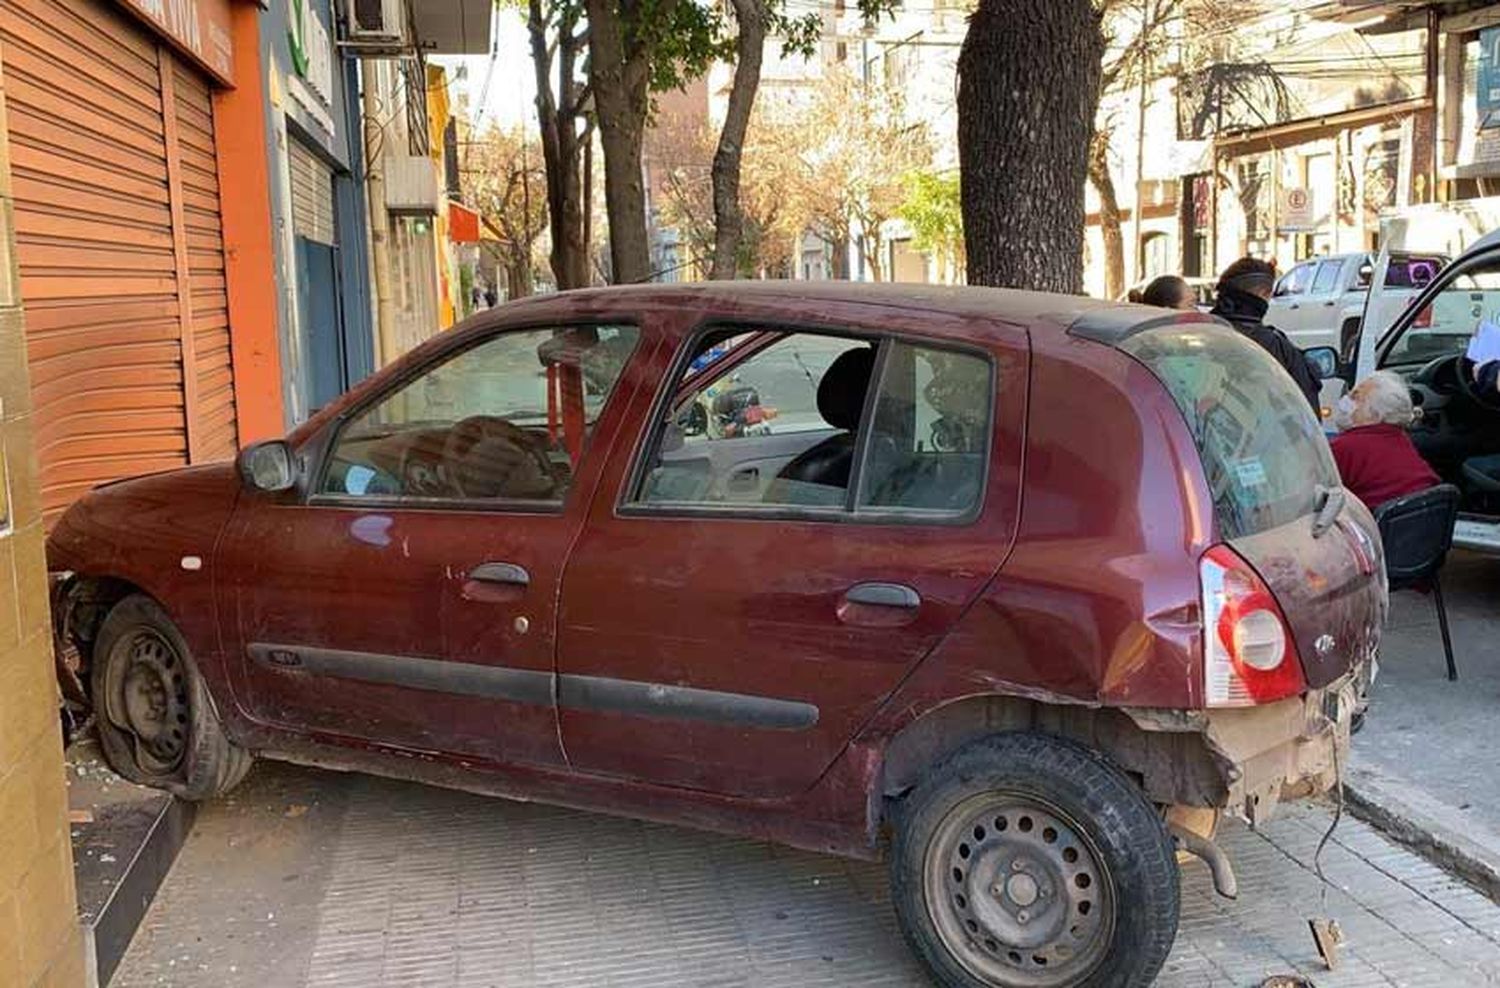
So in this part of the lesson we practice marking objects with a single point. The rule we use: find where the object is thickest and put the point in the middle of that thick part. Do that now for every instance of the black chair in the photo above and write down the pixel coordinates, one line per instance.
(1417, 531)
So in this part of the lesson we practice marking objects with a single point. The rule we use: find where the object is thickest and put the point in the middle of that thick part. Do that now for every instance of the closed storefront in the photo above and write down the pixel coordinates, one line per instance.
(119, 240)
(315, 242)
(322, 264)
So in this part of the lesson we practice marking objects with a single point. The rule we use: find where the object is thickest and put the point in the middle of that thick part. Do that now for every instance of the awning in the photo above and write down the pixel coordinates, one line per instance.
(463, 224)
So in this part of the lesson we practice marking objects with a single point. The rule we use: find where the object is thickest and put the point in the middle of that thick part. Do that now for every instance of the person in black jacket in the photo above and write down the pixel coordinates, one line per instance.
(1241, 299)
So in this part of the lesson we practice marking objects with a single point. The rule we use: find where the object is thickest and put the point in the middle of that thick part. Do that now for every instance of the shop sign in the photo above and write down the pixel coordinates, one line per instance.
(197, 28)
(1487, 99)
(1295, 212)
(312, 62)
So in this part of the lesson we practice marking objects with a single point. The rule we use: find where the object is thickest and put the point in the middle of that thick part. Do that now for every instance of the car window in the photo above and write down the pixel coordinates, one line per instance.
(784, 428)
(503, 420)
(1443, 327)
(1263, 451)
(1327, 278)
(930, 434)
(778, 429)
(1296, 280)
(1412, 272)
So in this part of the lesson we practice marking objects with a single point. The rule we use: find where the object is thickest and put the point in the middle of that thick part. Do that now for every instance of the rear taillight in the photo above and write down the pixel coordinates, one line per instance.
(1424, 318)
(1249, 655)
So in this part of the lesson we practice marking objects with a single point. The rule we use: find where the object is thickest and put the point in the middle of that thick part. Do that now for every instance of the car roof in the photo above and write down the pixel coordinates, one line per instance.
(1038, 311)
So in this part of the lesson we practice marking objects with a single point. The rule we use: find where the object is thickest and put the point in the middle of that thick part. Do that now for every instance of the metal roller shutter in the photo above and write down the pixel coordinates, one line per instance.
(121, 264)
(312, 196)
(215, 436)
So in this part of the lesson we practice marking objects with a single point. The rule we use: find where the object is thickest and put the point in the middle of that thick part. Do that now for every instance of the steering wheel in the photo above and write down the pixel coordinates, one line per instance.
(487, 457)
(1463, 371)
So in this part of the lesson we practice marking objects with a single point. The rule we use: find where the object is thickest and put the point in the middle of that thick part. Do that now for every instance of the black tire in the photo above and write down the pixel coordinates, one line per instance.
(1029, 860)
(156, 721)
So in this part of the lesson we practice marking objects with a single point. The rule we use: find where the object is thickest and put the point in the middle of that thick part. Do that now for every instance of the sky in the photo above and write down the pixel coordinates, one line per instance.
(501, 88)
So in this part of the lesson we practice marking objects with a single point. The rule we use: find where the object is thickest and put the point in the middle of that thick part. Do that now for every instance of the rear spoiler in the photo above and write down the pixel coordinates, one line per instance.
(1118, 323)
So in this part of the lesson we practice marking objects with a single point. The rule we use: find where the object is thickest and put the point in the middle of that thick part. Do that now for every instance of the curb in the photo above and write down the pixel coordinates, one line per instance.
(107, 933)
(1437, 832)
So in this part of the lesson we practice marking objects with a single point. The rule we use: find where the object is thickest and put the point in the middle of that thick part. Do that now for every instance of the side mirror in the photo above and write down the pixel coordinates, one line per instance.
(268, 466)
(1324, 360)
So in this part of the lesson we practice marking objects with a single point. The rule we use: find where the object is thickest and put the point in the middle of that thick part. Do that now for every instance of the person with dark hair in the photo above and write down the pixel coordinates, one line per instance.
(1169, 292)
(1241, 299)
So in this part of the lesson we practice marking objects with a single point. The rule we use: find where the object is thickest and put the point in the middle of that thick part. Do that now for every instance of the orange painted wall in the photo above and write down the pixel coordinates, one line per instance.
(244, 177)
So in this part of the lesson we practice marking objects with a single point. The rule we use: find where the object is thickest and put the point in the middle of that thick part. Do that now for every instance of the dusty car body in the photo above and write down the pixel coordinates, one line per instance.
(668, 625)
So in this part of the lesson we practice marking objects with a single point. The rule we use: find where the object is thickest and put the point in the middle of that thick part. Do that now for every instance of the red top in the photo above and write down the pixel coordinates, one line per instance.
(1380, 462)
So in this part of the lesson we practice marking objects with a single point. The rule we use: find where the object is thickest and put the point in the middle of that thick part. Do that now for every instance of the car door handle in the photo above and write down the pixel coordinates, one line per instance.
(496, 583)
(1331, 303)
(884, 595)
(507, 574)
(879, 605)
(1294, 305)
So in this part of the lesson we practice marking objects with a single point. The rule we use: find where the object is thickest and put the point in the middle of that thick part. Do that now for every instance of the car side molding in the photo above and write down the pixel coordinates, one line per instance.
(532, 686)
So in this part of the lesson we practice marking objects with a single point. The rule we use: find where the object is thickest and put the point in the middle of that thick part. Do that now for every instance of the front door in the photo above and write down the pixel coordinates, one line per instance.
(407, 595)
(767, 579)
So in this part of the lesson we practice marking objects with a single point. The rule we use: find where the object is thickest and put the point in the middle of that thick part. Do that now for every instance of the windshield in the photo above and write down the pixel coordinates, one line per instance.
(1444, 325)
(1263, 452)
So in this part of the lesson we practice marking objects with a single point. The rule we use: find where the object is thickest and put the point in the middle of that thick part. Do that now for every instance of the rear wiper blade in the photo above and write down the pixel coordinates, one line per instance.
(1330, 503)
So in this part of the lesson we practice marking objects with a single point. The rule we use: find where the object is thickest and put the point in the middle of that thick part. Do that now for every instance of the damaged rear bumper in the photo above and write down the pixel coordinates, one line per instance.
(1290, 749)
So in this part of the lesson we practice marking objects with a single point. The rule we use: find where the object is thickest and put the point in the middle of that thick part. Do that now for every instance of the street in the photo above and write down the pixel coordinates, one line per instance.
(312, 878)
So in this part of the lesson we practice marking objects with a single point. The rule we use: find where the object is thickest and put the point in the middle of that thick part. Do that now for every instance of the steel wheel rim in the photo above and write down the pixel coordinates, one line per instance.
(148, 699)
(1018, 892)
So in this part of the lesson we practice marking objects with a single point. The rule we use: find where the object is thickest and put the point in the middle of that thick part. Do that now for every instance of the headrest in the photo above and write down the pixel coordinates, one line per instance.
(841, 393)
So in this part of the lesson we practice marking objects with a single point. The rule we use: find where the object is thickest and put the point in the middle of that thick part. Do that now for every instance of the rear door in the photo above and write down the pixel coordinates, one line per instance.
(1318, 313)
(1285, 311)
(732, 637)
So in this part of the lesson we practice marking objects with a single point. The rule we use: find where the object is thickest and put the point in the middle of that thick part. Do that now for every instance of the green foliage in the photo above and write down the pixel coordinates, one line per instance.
(933, 208)
(686, 37)
(934, 211)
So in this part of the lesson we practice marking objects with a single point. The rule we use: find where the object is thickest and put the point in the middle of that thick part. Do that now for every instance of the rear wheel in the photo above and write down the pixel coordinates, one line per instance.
(157, 725)
(1027, 861)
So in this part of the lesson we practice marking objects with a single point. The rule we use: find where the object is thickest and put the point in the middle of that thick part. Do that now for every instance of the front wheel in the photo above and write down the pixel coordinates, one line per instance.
(1028, 861)
(156, 722)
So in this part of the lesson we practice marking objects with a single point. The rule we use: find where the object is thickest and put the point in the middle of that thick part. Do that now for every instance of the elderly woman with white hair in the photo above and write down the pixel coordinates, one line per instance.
(1376, 457)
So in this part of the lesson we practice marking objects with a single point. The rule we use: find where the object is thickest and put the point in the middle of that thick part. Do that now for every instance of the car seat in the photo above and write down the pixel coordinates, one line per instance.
(1481, 475)
(841, 402)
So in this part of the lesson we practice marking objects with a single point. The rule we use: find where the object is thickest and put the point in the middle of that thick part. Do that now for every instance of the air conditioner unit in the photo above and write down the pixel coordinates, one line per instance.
(378, 24)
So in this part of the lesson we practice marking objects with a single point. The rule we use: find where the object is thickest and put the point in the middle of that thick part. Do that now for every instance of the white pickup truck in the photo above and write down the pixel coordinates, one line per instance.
(1321, 301)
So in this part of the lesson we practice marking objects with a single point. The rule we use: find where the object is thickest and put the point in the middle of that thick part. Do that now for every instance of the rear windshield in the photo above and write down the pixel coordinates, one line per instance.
(1263, 451)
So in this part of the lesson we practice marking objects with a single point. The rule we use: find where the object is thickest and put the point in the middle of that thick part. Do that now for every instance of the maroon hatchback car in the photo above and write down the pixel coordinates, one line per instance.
(1020, 591)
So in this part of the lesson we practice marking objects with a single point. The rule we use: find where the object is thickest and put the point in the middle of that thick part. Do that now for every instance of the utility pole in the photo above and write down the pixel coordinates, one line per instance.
(380, 222)
(1143, 41)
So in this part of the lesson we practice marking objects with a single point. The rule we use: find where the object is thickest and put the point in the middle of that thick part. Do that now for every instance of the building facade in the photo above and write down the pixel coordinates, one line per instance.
(40, 938)
(315, 156)
(115, 115)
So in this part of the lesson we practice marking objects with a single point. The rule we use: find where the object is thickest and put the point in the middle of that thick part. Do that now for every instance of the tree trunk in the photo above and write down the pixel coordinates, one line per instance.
(840, 270)
(619, 74)
(1110, 227)
(874, 250)
(729, 220)
(517, 278)
(557, 118)
(1028, 90)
